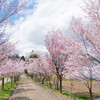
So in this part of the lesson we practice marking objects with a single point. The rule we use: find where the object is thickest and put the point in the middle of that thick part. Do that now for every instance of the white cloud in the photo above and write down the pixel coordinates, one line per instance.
(31, 29)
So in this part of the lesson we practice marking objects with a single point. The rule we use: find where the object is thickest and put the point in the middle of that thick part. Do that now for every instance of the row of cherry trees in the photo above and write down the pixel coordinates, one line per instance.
(38, 67)
(75, 55)
(10, 65)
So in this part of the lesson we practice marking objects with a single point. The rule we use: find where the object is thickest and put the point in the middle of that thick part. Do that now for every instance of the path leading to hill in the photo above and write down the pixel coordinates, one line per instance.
(29, 90)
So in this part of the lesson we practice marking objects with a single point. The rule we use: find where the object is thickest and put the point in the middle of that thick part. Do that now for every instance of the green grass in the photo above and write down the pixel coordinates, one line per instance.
(0, 78)
(47, 85)
(63, 79)
(5, 77)
(67, 94)
(77, 97)
(4, 95)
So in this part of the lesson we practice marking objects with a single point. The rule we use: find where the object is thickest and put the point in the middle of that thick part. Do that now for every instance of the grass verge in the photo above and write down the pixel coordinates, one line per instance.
(67, 94)
(77, 97)
(4, 95)
(4, 77)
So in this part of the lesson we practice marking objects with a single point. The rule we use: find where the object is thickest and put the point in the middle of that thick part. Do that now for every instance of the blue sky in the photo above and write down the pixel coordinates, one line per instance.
(18, 15)
(33, 23)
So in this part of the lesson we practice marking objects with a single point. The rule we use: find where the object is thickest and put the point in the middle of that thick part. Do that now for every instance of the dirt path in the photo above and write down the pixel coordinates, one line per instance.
(29, 90)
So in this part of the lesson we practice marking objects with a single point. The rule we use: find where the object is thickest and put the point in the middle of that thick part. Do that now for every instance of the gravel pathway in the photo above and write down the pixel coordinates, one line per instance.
(29, 90)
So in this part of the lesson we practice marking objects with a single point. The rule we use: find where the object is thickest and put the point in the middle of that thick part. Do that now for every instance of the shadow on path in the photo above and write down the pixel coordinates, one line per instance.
(23, 90)
(20, 98)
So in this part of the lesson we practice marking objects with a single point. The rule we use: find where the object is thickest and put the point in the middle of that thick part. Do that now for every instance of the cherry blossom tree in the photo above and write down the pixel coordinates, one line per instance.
(87, 71)
(5, 51)
(9, 8)
(11, 67)
(38, 67)
(89, 36)
(60, 50)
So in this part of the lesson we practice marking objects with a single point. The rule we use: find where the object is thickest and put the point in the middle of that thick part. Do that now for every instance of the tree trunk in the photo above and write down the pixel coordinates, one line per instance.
(32, 76)
(14, 79)
(17, 77)
(91, 94)
(43, 80)
(71, 89)
(54, 83)
(90, 90)
(50, 83)
(11, 80)
(47, 81)
(2, 83)
(57, 87)
(60, 84)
